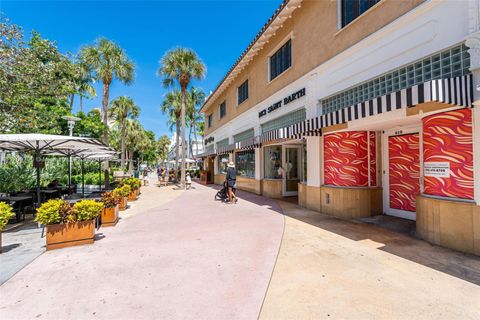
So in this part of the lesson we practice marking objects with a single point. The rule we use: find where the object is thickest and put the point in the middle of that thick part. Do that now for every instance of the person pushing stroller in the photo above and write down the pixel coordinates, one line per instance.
(231, 182)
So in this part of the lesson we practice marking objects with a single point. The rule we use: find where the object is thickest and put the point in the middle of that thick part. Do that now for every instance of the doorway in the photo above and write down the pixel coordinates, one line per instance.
(292, 166)
(402, 172)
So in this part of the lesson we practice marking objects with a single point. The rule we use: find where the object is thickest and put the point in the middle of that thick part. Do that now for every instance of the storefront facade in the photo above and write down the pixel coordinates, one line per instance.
(375, 115)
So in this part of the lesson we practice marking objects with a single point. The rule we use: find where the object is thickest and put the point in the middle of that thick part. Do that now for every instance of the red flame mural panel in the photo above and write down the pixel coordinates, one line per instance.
(373, 159)
(346, 155)
(447, 140)
(404, 170)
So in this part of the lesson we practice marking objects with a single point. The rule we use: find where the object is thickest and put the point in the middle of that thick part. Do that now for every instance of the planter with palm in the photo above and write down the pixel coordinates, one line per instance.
(180, 66)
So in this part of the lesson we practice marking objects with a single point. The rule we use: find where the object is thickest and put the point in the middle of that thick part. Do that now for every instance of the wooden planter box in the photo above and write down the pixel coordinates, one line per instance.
(123, 203)
(70, 234)
(110, 216)
(132, 196)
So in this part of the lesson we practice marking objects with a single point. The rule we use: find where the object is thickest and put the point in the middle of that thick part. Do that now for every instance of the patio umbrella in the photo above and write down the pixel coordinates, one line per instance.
(41, 144)
(103, 155)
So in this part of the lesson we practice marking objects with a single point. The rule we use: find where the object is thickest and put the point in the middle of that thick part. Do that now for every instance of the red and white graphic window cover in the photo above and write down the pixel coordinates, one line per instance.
(404, 170)
(447, 138)
(346, 158)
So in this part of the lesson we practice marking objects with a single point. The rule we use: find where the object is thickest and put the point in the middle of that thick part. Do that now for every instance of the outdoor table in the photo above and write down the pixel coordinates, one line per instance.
(50, 193)
(21, 200)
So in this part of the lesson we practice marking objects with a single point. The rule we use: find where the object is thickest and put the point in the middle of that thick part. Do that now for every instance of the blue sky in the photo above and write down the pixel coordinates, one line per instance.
(218, 31)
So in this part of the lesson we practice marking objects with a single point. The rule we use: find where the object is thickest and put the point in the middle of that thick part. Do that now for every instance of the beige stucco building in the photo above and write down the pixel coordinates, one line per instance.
(359, 108)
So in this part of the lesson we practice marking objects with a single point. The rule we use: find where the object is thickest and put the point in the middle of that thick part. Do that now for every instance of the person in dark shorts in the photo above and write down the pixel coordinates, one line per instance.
(231, 179)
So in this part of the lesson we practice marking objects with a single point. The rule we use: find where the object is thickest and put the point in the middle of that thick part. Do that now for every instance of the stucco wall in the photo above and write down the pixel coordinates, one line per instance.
(315, 39)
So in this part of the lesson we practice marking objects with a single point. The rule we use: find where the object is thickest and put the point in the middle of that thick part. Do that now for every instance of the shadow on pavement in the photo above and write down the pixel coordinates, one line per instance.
(395, 236)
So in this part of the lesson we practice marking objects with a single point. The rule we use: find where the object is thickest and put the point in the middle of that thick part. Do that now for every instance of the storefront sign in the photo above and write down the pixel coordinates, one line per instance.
(208, 140)
(294, 96)
(436, 169)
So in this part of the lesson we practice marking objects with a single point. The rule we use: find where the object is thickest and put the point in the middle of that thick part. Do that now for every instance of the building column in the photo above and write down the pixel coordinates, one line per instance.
(258, 163)
(313, 161)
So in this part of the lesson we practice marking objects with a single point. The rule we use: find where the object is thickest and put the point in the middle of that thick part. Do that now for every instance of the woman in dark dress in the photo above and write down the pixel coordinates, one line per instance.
(231, 179)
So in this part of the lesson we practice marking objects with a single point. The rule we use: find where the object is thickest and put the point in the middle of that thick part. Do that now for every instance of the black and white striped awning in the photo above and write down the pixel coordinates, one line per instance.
(456, 91)
(248, 144)
(227, 149)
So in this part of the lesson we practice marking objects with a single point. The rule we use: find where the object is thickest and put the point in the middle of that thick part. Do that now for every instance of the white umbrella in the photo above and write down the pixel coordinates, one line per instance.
(48, 144)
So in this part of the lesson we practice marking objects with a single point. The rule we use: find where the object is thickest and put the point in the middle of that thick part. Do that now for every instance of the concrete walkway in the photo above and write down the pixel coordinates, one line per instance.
(181, 255)
(187, 257)
(336, 269)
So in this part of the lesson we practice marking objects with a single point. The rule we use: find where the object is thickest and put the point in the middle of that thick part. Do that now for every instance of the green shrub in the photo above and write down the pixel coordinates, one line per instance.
(6, 212)
(122, 191)
(134, 183)
(109, 199)
(85, 210)
(54, 211)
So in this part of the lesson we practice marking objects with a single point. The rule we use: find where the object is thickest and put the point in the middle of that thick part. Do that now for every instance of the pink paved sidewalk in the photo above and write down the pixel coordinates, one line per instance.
(191, 258)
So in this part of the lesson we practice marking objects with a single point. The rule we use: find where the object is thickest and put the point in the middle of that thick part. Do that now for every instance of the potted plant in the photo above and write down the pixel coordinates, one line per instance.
(6, 212)
(68, 226)
(122, 193)
(132, 182)
(110, 209)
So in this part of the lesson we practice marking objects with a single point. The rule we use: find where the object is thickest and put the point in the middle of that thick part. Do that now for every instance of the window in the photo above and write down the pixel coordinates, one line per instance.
(209, 120)
(273, 162)
(281, 60)
(222, 163)
(452, 62)
(245, 163)
(242, 136)
(223, 109)
(284, 121)
(243, 92)
(352, 9)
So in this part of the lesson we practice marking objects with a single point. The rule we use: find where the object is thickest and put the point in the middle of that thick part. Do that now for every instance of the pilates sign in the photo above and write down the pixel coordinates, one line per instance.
(436, 169)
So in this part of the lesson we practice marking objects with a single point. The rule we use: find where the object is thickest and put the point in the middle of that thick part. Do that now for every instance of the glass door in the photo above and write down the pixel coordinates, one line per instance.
(291, 170)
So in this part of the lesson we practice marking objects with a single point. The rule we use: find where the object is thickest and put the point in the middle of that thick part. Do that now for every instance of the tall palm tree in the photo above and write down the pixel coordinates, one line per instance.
(135, 133)
(120, 109)
(181, 66)
(195, 99)
(83, 82)
(108, 62)
(172, 107)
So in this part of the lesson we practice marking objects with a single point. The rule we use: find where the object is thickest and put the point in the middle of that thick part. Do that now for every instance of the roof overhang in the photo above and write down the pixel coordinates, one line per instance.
(283, 13)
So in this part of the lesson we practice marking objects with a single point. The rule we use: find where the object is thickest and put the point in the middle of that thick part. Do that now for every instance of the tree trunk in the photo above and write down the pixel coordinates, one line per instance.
(190, 141)
(81, 103)
(184, 149)
(130, 163)
(71, 101)
(106, 91)
(177, 146)
(195, 137)
(122, 157)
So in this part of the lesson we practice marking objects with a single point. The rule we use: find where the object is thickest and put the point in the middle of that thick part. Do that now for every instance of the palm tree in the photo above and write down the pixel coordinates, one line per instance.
(108, 62)
(133, 138)
(82, 82)
(122, 108)
(172, 106)
(195, 99)
(181, 66)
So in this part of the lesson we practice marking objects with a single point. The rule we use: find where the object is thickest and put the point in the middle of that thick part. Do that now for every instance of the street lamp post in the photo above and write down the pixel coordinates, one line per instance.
(71, 124)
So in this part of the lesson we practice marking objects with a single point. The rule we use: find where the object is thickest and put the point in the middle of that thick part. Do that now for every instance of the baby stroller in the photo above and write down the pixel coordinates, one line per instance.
(222, 194)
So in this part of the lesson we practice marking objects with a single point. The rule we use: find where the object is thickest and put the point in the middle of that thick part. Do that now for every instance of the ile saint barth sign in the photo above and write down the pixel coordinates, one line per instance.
(294, 96)
(436, 169)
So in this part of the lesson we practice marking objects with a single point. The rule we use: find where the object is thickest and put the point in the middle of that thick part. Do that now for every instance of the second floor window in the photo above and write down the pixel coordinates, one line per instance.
(281, 60)
(243, 92)
(209, 120)
(223, 109)
(352, 9)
